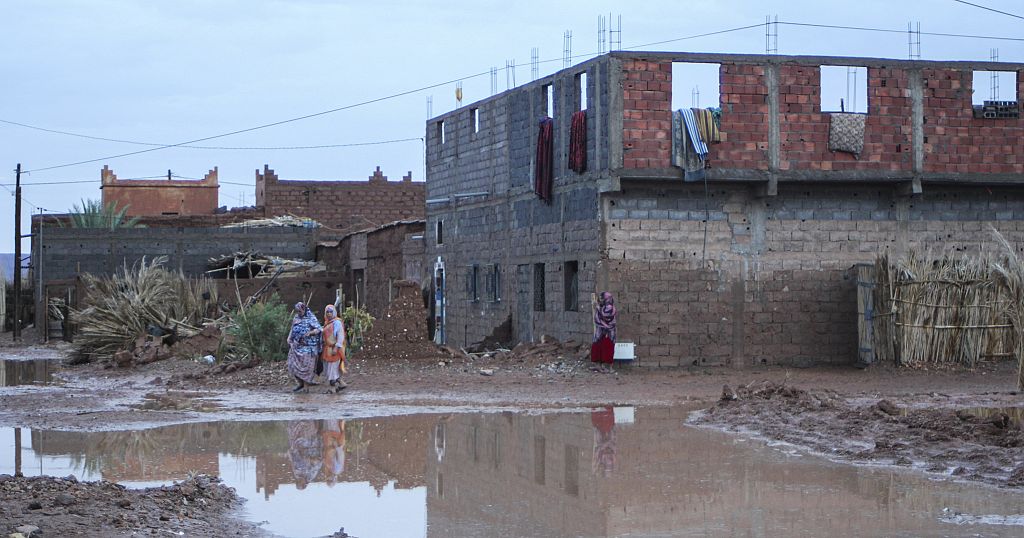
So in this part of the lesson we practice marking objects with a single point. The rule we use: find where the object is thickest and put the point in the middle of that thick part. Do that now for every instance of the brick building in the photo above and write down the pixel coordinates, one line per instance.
(749, 266)
(158, 197)
(342, 206)
(369, 262)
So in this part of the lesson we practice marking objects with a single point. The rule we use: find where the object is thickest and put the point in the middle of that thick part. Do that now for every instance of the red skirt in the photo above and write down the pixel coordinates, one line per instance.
(603, 350)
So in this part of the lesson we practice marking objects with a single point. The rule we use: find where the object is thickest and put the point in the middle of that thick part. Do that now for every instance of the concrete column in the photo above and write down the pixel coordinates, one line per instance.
(917, 126)
(771, 77)
(615, 105)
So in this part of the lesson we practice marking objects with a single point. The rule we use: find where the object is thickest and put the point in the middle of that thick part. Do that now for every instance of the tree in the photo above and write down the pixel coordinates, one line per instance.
(93, 214)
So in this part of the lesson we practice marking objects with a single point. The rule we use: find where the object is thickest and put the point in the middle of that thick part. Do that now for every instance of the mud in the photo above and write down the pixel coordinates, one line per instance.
(935, 433)
(879, 416)
(197, 506)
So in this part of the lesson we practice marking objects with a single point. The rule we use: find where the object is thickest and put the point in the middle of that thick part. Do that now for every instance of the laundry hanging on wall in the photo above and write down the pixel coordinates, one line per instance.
(846, 132)
(544, 167)
(578, 142)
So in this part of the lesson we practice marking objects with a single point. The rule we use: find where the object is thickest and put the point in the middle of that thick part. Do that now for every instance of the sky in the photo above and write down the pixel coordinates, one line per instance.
(166, 72)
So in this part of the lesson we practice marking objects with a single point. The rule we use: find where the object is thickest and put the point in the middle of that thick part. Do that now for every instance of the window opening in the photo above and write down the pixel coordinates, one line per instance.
(549, 99)
(472, 283)
(474, 118)
(581, 91)
(440, 131)
(695, 85)
(994, 94)
(494, 283)
(439, 231)
(570, 272)
(844, 89)
(539, 301)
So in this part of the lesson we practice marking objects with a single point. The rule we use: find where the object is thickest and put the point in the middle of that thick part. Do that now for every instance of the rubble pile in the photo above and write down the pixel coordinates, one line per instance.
(50, 506)
(160, 346)
(401, 332)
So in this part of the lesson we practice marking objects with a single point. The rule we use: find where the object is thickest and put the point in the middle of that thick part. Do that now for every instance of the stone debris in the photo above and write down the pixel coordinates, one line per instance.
(198, 506)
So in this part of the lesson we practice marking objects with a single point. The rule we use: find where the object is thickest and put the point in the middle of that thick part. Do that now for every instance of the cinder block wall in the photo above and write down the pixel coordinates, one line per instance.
(504, 223)
(772, 286)
(68, 252)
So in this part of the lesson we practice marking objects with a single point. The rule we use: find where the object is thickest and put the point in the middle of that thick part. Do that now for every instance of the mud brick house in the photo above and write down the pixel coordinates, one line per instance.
(749, 264)
(158, 197)
(369, 262)
(341, 206)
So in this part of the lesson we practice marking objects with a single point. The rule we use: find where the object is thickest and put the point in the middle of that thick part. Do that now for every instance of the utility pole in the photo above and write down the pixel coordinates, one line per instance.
(17, 253)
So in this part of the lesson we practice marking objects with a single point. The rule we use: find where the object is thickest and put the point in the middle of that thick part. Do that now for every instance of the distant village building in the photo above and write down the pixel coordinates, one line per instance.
(735, 251)
(342, 207)
(161, 197)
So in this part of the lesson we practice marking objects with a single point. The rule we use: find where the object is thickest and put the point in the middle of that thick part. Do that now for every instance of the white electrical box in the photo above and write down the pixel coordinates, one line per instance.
(624, 351)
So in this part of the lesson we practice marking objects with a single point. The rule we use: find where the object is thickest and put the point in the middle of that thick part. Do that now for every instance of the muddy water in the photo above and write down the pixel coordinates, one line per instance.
(14, 372)
(609, 472)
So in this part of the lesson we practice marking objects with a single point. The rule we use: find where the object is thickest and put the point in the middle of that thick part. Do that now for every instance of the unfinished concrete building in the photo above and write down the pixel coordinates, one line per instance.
(743, 259)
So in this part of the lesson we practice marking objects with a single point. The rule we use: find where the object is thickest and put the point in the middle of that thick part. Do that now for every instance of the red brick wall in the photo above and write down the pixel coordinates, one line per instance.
(958, 142)
(647, 113)
(342, 206)
(744, 126)
(161, 197)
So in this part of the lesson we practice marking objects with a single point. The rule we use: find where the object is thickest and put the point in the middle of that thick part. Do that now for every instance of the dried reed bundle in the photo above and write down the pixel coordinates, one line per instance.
(1011, 275)
(120, 308)
(940, 310)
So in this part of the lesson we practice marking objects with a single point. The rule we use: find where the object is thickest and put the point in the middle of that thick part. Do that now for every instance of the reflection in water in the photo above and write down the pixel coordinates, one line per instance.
(506, 474)
(604, 440)
(25, 372)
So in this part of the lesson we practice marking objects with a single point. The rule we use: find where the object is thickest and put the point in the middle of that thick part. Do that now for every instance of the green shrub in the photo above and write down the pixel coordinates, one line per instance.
(358, 322)
(261, 330)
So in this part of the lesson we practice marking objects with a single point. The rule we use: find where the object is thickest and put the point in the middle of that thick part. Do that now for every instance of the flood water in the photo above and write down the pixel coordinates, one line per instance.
(15, 372)
(608, 472)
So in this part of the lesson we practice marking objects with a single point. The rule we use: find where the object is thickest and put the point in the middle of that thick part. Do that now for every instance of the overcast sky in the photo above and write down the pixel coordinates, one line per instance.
(171, 71)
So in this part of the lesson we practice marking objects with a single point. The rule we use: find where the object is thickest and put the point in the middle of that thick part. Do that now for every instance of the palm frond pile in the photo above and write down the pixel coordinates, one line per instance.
(123, 307)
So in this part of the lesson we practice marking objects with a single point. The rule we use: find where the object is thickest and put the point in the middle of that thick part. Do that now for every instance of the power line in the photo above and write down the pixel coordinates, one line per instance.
(188, 143)
(263, 126)
(316, 114)
(989, 9)
(886, 30)
(253, 148)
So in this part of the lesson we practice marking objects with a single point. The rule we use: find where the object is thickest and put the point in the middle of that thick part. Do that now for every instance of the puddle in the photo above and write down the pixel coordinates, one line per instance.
(609, 472)
(14, 372)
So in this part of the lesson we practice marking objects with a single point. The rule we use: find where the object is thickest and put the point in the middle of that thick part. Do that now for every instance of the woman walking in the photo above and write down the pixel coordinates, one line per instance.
(303, 346)
(602, 351)
(334, 349)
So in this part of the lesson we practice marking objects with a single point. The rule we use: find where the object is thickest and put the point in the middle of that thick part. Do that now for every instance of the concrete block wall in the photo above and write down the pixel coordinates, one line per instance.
(67, 252)
(342, 206)
(772, 285)
(505, 224)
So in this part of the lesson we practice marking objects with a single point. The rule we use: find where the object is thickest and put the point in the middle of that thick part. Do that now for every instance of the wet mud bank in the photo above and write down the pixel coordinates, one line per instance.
(975, 437)
(48, 506)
